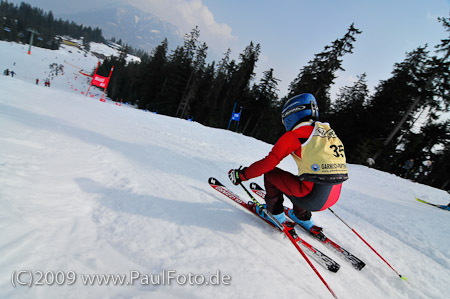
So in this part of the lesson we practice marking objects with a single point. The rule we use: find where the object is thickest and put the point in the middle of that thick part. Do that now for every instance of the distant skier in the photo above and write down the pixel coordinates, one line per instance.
(319, 155)
(37, 81)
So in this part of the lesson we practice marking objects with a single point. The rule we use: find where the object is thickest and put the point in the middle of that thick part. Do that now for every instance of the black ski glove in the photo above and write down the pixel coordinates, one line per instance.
(237, 175)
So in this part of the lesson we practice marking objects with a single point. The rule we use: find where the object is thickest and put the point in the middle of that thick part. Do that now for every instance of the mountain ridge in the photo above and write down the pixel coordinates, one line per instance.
(139, 29)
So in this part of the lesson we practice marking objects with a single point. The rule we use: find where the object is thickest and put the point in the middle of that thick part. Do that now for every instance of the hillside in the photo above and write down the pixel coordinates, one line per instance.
(88, 188)
(139, 29)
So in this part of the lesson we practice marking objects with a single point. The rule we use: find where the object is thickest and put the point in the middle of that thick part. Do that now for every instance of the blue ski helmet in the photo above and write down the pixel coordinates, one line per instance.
(299, 108)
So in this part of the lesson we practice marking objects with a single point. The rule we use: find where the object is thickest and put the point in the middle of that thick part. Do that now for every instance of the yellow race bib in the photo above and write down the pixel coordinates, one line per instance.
(323, 158)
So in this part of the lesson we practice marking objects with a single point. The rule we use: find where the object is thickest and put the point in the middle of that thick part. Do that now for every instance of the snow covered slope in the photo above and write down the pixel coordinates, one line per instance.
(94, 188)
(42, 64)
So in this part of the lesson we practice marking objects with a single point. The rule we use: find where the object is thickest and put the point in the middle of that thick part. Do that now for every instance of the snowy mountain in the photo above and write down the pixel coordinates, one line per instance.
(137, 28)
(93, 188)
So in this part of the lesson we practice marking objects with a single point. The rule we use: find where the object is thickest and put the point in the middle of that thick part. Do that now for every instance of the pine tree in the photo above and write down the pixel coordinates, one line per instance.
(190, 91)
(265, 101)
(441, 67)
(318, 76)
(419, 83)
(189, 50)
(394, 97)
(217, 91)
(239, 86)
(200, 103)
(347, 117)
(171, 92)
(153, 75)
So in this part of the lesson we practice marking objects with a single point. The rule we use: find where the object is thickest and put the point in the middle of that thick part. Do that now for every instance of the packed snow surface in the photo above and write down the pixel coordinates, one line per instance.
(90, 187)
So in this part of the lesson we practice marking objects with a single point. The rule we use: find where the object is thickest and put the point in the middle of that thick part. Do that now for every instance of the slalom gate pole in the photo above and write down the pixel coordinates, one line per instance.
(285, 230)
(402, 277)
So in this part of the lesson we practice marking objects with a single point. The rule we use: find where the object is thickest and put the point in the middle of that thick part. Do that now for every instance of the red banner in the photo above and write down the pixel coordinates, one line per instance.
(100, 81)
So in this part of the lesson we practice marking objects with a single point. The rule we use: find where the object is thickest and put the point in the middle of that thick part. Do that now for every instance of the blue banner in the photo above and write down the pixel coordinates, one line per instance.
(236, 116)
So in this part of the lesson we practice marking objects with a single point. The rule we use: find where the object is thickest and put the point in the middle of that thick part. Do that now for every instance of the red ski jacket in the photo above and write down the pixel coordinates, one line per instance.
(291, 141)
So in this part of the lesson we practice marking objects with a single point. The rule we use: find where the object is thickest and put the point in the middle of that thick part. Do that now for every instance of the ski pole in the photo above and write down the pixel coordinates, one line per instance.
(402, 277)
(285, 230)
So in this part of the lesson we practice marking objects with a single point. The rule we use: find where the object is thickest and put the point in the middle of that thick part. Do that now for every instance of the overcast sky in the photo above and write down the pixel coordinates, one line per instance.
(292, 31)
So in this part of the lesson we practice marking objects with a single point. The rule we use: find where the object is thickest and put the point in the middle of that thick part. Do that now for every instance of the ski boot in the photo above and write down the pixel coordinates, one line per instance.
(280, 217)
(306, 224)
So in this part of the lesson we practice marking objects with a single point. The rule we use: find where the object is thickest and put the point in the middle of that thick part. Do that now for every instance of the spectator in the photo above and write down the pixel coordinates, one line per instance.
(407, 168)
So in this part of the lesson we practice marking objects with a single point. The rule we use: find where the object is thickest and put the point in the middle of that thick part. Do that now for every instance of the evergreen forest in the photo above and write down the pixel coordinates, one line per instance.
(17, 22)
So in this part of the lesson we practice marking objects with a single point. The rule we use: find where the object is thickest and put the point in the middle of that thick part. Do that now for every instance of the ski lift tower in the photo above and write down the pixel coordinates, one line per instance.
(33, 32)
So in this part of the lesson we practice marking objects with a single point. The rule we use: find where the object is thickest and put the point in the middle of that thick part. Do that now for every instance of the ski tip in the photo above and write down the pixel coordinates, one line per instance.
(334, 268)
(360, 266)
(255, 186)
(214, 181)
(403, 278)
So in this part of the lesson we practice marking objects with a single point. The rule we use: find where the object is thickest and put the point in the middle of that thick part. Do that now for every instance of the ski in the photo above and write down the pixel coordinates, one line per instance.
(353, 260)
(435, 205)
(314, 253)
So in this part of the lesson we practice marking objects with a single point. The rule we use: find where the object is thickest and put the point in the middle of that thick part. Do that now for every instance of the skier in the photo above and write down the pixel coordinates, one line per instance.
(319, 155)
